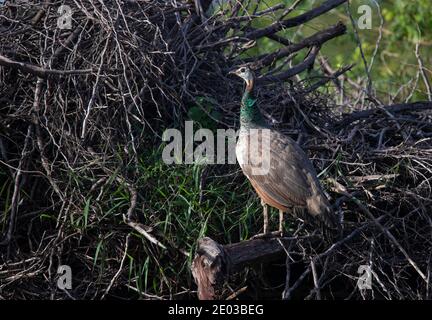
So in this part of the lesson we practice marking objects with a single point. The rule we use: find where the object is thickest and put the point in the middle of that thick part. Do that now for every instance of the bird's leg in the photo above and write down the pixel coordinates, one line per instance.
(281, 222)
(266, 233)
(266, 220)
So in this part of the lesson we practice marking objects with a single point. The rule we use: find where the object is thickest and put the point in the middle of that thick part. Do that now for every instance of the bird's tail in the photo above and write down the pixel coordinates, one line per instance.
(319, 207)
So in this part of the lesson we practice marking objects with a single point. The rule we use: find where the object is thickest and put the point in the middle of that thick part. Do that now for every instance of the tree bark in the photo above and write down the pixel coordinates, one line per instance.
(214, 263)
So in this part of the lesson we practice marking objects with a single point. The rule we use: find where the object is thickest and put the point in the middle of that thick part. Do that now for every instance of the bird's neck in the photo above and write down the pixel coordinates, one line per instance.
(250, 115)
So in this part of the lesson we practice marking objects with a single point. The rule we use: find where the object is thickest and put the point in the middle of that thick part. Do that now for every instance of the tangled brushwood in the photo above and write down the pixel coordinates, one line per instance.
(82, 113)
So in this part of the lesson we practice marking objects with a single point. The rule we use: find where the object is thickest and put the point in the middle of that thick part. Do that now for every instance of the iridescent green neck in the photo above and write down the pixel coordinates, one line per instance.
(250, 115)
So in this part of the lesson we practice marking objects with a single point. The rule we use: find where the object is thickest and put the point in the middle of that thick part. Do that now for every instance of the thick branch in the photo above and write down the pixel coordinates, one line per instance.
(293, 22)
(307, 63)
(316, 39)
(213, 263)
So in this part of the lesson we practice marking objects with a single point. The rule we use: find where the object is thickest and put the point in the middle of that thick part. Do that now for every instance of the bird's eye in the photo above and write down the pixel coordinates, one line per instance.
(242, 69)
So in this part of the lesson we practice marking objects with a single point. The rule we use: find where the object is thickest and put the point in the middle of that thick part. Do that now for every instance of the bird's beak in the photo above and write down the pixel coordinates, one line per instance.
(234, 72)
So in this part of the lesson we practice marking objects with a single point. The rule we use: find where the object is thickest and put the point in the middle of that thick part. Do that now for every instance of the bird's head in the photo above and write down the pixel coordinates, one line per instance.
(246, 74)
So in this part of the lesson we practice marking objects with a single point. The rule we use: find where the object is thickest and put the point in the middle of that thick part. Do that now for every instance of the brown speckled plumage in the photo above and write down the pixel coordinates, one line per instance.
(291, 183)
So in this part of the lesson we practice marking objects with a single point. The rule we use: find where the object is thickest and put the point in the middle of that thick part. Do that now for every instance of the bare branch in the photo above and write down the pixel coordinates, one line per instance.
(289, 23)
(39, 71)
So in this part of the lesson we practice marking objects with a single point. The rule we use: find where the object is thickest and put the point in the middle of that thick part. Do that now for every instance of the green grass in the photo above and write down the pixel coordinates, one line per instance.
(179, 211)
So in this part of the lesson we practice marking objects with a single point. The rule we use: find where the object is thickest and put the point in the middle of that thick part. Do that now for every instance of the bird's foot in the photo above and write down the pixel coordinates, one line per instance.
(267, 235)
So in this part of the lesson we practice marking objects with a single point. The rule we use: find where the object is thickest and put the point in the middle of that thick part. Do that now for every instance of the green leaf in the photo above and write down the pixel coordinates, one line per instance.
(86, 212)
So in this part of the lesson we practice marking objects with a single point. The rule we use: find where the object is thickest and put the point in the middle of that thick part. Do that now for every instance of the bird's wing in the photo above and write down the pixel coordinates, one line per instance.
(287, 180)
(290, 181)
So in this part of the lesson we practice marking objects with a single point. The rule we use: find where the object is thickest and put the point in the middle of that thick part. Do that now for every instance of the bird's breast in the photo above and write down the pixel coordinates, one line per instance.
(253, 148)
(242, 149)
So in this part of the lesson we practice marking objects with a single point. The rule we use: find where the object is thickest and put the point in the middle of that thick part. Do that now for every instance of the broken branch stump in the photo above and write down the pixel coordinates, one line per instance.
(214, 263)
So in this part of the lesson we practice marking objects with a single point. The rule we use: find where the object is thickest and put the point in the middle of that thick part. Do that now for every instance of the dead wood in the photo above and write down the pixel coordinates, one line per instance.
(214, 263)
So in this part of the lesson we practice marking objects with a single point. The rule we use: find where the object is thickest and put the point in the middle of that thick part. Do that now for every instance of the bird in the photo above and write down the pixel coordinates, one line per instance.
(277, 167)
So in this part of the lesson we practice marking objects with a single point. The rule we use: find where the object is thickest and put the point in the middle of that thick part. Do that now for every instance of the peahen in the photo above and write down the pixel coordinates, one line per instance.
(278, 169)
